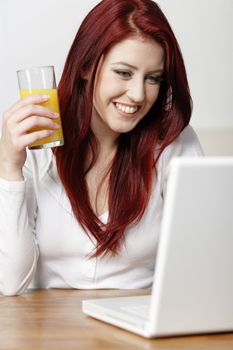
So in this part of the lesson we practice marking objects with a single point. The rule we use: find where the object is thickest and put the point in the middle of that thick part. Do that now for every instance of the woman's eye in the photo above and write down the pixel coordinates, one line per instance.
(123, 74)
(154, 79)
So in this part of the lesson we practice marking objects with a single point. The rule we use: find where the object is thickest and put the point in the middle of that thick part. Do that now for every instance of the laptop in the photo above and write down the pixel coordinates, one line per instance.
(193, 280)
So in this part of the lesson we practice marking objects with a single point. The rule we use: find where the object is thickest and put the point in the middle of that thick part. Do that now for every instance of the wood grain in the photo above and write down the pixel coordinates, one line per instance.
(52, 319)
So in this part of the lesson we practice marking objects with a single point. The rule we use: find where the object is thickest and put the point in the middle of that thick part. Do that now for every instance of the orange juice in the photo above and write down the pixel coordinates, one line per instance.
(56, 139)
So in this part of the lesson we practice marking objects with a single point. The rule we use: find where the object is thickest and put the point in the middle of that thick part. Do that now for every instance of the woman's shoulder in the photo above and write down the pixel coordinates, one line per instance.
(186, 144)
(188, 135)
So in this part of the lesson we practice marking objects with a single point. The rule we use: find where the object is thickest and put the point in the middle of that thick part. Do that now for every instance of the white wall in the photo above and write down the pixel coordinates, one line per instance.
(40, 33)
(204, 29)
(35, 33)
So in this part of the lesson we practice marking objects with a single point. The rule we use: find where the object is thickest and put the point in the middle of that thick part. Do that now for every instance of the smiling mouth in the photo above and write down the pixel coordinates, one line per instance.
(126, 108)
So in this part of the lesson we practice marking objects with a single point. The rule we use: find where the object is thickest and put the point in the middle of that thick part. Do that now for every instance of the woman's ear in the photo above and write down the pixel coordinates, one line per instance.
(85, 74)
(87, 71)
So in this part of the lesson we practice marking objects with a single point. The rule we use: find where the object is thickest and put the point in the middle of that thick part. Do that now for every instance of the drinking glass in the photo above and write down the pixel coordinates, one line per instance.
(41, 80)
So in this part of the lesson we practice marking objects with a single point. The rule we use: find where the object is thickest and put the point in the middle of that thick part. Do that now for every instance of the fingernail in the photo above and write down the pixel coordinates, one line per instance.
(56, 115)
(45, 97)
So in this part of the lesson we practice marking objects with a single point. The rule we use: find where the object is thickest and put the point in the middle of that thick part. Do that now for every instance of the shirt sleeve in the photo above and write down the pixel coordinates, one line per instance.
(186, 145)
(18, 245)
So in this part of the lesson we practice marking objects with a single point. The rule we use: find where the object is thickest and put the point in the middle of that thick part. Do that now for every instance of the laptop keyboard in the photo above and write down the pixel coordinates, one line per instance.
(139, 310)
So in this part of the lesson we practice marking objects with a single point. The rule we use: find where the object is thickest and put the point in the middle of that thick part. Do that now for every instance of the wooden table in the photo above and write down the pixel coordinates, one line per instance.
(53, 319)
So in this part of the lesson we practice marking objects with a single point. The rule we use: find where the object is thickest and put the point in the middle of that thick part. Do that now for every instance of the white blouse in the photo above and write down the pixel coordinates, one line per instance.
(42, 245)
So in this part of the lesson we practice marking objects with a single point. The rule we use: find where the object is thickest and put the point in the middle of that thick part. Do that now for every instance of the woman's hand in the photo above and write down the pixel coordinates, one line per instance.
(18, 121)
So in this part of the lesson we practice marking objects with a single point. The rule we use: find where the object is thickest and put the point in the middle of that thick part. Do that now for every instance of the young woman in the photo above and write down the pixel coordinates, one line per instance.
(87, 215)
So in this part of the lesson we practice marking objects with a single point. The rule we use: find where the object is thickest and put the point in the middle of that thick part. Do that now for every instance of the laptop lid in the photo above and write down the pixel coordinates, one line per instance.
(193, 289)
(193, 282)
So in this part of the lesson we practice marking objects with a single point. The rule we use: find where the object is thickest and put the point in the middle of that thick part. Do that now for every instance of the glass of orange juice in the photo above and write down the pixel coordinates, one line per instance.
(41, 80)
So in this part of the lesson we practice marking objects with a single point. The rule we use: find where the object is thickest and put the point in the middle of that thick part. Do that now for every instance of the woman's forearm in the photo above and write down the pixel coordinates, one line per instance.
(18, 248)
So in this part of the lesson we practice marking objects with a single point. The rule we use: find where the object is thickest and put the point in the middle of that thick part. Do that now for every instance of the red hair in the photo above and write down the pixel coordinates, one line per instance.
(134, 165)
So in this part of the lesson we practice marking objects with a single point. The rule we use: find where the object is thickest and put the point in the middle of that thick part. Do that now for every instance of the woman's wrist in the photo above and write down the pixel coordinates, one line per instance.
(9, 171)
(11, 174)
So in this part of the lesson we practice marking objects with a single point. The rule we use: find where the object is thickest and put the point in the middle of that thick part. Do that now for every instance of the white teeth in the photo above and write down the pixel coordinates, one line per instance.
(126, 109)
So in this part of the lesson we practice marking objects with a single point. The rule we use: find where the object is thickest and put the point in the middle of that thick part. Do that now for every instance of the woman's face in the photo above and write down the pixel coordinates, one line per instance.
(127, 85)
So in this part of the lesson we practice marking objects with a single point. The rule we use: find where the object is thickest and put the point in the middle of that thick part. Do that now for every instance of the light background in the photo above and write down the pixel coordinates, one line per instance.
(36, 33)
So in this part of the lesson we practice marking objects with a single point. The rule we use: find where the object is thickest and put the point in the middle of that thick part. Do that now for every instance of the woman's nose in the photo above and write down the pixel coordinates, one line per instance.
(136, 91)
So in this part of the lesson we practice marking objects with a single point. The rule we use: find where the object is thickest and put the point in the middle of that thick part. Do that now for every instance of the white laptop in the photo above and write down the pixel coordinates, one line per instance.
(193, 280)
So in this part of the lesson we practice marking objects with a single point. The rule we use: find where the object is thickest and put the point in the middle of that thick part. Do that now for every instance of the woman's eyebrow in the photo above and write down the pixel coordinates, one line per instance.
(158, 70)
(124, 64)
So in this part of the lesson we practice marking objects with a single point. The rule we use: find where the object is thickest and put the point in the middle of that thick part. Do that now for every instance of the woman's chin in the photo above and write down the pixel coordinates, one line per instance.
(123, 128)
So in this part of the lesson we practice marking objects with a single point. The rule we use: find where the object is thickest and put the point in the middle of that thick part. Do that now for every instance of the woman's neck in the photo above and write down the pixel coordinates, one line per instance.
(107, 139)
(97, 178)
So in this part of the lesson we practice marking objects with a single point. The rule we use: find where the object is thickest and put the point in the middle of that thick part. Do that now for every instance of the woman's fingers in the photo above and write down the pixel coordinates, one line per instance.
(26, 122)
(36, 126)
(30, 138)
(31, 99)
(35, 122)
(28, 110)
(27, 117)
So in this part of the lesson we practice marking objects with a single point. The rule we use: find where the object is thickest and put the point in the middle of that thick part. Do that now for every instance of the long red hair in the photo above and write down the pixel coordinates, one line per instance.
(134, 165)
